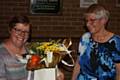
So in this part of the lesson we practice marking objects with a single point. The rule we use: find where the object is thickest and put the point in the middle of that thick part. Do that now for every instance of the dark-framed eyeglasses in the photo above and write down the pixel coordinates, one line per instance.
(19, 31)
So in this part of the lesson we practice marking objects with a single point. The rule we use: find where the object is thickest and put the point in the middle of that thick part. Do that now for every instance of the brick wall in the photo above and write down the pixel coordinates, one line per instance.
(68, 23)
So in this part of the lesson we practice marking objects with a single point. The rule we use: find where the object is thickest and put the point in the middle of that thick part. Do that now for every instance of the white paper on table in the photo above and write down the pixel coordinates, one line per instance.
(45, 74)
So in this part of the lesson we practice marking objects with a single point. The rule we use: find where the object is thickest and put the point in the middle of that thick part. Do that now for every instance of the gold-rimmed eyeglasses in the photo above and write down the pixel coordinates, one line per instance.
(92, 20)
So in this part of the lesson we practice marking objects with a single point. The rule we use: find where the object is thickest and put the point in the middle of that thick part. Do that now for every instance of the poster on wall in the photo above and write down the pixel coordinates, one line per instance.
(44, 6)
(117, 3)
(87, 3)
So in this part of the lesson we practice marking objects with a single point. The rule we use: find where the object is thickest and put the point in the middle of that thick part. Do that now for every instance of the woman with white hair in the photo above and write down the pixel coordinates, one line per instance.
(99, 48)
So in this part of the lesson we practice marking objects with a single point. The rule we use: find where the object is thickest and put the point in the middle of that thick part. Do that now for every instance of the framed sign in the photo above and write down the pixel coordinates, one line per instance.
(44, 6)
(87, 3)
(118, 3)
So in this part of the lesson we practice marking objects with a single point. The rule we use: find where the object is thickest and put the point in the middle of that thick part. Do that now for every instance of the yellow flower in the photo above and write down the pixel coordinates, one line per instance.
(52, 51)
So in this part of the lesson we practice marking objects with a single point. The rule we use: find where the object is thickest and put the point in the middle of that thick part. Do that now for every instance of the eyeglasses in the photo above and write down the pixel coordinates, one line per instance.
(92, 20)
(19, 31)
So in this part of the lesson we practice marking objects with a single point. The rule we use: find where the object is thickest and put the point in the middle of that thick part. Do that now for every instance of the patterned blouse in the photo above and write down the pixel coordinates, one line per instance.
(97, 60)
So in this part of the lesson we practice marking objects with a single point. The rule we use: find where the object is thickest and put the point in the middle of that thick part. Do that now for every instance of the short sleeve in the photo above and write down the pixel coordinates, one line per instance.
(83, 43)
(79, 46)
(115, 42)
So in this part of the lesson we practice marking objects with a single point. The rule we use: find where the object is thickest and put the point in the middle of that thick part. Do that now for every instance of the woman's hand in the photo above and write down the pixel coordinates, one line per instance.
(118, 71)
(60, 76)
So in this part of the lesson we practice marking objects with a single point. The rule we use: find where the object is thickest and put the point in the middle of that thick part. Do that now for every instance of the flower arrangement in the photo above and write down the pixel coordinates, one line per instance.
(46, 54)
